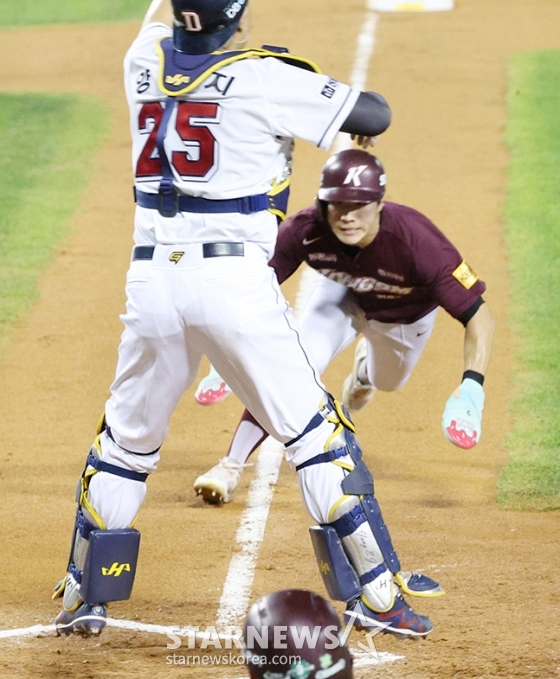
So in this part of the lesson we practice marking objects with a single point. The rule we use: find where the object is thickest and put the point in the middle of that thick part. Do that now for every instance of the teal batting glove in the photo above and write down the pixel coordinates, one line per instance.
(462, 417)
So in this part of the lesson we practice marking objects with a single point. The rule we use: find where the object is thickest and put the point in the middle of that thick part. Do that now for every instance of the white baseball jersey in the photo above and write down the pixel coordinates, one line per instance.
(275, 101)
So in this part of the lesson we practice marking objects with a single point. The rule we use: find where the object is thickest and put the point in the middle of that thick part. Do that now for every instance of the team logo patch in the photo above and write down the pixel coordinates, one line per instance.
(175, 256)
(116, 569)
(465, 275)
(329, 89)
(177, 80)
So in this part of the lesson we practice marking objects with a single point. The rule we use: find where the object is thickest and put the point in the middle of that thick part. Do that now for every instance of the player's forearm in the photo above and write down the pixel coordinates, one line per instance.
(479, 336)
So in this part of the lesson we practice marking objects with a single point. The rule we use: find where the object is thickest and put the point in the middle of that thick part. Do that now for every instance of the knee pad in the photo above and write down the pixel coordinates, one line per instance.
(102, 563)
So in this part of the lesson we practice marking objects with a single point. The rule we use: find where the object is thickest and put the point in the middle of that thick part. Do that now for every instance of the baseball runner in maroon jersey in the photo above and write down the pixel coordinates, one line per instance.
(385, 271)
(212, 127)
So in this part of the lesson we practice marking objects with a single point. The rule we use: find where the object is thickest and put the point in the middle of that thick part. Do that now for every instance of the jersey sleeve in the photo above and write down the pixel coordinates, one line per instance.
(138, 57)
(289, 252)
(304, 104)
(441, 268)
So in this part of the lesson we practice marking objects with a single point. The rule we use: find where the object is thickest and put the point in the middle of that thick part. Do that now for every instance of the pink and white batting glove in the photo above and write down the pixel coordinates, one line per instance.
(462, 417)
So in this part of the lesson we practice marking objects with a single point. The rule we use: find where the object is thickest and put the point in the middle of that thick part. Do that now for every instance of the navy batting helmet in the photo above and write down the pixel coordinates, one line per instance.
(295, 633)
(352, 176)
(203, 26)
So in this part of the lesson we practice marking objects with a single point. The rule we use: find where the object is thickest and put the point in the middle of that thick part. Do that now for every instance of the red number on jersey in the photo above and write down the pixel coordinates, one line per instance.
(192, 118)
(199, 157)
(148, 123)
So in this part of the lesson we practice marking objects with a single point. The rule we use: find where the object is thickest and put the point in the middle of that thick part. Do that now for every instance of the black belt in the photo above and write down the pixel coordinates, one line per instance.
(169, 204)
(208, 250)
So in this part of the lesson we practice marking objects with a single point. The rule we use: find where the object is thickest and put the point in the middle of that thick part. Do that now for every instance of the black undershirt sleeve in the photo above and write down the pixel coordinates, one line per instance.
(466, 316)
(370, 116)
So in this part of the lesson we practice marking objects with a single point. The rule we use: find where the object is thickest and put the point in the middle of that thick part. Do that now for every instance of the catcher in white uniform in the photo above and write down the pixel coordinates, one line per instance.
(212, 128)
(385, 269)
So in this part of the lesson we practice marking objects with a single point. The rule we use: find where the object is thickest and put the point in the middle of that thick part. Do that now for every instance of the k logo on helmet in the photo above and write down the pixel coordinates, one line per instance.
(353, 176)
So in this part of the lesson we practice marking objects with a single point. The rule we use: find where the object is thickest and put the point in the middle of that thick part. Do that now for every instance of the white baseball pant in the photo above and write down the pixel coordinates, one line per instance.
(181, 306)
(331, 320)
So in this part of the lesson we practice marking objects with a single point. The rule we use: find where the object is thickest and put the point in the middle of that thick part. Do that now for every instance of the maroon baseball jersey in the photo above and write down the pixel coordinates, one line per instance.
(409, 268)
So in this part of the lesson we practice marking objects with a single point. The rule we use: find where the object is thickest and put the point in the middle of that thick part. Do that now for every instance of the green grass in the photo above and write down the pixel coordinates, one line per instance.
(48, 148)
(27, 12)
(531, 479)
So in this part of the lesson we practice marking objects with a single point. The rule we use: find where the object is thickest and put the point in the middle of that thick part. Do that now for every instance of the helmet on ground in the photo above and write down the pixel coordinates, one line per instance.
(352, 176)
(203, 26)
(295, 633)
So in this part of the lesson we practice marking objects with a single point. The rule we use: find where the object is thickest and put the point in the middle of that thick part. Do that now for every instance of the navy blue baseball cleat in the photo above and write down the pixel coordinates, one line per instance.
(400, 620)
(87, 620)
(417, 584)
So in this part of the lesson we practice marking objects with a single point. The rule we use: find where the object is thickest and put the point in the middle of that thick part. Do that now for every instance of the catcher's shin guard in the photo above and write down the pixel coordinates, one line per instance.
(354, 549)
(102, 562)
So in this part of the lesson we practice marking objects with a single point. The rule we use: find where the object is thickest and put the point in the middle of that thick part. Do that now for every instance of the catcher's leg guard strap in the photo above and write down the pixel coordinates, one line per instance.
(341, 443)
(101, 466)
(315, 421)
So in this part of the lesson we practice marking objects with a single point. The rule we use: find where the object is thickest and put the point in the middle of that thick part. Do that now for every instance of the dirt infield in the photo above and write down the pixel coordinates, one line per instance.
(444, 75)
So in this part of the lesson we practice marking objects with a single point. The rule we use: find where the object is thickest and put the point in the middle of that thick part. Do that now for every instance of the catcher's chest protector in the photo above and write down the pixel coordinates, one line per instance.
(181, 73)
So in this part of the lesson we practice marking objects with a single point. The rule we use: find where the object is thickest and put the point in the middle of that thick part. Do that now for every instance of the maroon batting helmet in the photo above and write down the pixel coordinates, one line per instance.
(203, 26)
(352, 176)
(295, 633)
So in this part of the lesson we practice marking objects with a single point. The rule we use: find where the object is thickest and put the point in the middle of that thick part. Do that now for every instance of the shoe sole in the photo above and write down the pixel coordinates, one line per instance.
(396, 632)
(360, 397)
(212, 495)
(382, 627)
(82, 626)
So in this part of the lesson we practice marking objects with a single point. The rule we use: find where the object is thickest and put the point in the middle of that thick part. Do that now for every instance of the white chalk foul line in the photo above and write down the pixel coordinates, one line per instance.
(239, 580)
(33, 631)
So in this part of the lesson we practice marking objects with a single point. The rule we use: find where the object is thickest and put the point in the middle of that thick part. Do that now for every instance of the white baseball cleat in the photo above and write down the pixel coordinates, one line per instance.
(217, 485)
(212, 389)
(356, 393)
